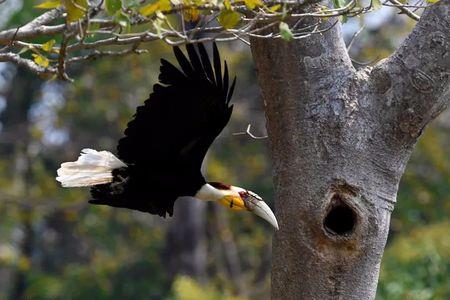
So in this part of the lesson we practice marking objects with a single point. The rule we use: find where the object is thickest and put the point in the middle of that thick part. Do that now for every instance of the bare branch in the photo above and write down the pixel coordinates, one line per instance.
(35, 28)
(354, 37)
(62, 57)
(98, 54)
(248, 132)
(105, 31)
(404, 9)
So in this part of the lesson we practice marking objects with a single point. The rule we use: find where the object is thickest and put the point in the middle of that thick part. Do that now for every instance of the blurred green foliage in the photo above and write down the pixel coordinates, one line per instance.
(185, 288)
(417, 266)
(55, 246)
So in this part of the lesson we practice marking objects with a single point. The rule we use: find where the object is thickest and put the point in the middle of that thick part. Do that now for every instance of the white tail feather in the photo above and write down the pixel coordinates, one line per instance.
(92, 168)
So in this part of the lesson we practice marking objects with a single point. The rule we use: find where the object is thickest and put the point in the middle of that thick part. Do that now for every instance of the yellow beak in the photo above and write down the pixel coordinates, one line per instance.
(233, 203)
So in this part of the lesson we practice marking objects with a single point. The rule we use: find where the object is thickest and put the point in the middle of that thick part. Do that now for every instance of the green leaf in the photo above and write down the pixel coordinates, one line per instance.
(48, 46)
(123, 20)
(131, 3)
(285, 32)
(432, 1)
(342, 3)
(112, 6)
(339, 3)
(229, 19)
(376, 4)
(23, 50)
(49, 4)
(76, 9)
(41, 60)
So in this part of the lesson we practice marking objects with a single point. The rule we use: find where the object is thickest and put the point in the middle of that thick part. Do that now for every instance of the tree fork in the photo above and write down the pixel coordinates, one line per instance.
(340, 139)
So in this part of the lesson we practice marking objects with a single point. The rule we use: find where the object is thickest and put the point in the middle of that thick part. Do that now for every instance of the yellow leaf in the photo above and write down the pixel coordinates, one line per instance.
(48, 46)
(49, 4)
(150, 9)
(76, 9)
(191, 15)
(227, 4)
(164, 5)
(275, 8)
(41, 60)
(432, 1)
(251, 4)
(228, 18)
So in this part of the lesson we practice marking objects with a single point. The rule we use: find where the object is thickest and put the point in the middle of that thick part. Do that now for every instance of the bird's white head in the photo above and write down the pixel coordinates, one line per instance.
(237, 199)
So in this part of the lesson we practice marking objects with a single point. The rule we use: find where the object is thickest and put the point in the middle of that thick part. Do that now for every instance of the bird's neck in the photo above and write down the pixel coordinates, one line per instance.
(209, 193)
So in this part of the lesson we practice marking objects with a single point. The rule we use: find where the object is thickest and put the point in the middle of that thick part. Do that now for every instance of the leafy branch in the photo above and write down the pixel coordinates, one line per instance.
(78, 30)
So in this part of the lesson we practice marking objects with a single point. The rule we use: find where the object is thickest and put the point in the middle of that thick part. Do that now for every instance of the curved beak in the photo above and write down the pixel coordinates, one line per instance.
(263, 210)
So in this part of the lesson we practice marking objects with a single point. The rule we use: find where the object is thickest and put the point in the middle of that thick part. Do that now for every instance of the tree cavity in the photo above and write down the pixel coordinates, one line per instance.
(340, 219)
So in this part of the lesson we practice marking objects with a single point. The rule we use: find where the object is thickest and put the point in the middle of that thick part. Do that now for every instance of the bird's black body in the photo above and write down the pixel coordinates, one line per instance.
(165, 143)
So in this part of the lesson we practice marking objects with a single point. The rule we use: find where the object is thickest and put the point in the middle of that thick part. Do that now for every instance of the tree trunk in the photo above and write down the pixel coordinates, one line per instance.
(340, 139)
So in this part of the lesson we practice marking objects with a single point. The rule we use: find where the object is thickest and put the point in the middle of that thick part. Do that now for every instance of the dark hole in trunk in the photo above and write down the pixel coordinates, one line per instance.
(340, 219)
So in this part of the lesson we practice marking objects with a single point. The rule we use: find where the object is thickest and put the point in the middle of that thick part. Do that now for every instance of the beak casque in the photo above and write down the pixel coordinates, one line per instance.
(263, 210)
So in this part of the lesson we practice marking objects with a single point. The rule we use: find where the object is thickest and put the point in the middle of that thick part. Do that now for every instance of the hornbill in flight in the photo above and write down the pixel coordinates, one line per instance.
(160, 157)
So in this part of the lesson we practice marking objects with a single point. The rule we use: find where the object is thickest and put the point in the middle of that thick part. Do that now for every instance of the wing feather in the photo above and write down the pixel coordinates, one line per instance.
(181, 119)
(217, 66)
(183, 62)
(231, 90)
(195, 61)
(205, 62)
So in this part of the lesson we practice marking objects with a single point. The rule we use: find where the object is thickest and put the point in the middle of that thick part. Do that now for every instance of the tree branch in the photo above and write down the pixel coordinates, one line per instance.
(35, 27)
(414, 78)
(30, 65)
(104, 30)
(404, 10)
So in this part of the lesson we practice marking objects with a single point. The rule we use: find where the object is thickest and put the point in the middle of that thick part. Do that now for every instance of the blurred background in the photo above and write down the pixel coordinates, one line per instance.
(53, 245)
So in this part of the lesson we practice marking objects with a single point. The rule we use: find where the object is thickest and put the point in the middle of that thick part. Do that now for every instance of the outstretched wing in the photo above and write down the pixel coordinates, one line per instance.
(184, 114)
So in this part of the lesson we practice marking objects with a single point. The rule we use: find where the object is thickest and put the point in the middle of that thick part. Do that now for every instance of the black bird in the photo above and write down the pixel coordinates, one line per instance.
(160, 157)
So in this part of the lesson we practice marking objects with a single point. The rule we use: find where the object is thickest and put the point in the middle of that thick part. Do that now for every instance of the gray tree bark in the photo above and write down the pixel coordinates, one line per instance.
(340, 139)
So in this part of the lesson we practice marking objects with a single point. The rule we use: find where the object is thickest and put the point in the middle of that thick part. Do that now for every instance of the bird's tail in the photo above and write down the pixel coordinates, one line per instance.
(92, 168)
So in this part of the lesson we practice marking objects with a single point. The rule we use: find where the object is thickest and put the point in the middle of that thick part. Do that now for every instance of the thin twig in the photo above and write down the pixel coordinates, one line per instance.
(97, 54)
(248, 132)
(405, 10)
(354, 37)
(11, 42)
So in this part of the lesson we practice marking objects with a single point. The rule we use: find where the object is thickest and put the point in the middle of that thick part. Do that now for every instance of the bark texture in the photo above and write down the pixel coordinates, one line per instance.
(340, 139)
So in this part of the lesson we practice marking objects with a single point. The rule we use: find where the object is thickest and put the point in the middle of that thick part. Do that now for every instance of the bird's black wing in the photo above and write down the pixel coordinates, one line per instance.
(184, 114)
(165, 143)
